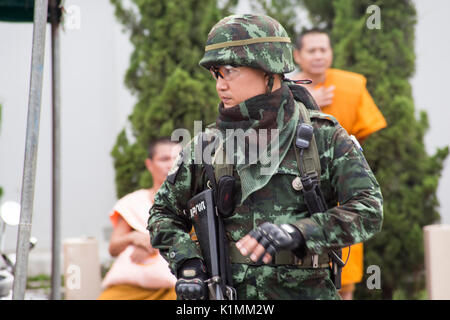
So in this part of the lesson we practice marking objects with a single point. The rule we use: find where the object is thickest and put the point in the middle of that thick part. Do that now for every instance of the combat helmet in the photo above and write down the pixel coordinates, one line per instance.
(251, 40)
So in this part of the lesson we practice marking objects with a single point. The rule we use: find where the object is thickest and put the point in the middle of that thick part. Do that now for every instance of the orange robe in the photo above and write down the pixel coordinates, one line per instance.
(352, 104)
(126, 280)
(356, 111)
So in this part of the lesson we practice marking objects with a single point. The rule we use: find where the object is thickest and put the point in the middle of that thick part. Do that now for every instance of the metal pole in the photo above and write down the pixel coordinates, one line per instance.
(31, 146)
(56, 155)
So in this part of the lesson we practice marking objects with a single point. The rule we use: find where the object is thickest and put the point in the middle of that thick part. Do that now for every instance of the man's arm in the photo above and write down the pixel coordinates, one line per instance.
(123, 235)
(359, 214)
(169, 224)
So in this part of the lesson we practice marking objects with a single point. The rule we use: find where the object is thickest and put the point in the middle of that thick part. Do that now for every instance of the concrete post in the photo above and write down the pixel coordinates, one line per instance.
(437, 261)
(82, 273)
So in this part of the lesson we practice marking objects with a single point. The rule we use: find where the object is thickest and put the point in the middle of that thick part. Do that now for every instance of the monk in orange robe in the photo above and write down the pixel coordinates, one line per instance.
(139, 271)
(344, 95)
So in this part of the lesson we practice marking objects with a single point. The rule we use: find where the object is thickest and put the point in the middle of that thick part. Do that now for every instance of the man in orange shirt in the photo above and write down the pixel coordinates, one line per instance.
(344, 95)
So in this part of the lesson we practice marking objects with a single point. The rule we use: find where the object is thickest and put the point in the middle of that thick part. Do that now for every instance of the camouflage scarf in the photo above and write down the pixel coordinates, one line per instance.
(275, 112)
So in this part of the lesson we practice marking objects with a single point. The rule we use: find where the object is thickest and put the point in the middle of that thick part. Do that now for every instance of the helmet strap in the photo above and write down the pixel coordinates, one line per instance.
(270, 83)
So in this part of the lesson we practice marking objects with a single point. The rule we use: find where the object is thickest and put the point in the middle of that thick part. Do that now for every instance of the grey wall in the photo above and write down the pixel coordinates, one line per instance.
(95, 105)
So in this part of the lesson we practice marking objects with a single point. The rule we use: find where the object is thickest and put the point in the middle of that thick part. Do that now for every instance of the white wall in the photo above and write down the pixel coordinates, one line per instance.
(430, 83)
(95, 105)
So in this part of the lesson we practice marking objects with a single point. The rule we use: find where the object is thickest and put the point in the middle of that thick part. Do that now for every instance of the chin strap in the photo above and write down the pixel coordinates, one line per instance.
(302, 81)
(270, 83)
(283, 78)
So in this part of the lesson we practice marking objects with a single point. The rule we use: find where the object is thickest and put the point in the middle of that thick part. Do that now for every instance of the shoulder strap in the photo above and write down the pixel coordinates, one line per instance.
(309, 163)
(222, 167)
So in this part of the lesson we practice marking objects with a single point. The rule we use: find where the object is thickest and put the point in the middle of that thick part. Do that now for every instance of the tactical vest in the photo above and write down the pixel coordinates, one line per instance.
(308, 164)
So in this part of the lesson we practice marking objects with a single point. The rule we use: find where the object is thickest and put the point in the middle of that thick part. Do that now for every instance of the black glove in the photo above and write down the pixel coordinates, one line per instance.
(191, 283)
(279, 237)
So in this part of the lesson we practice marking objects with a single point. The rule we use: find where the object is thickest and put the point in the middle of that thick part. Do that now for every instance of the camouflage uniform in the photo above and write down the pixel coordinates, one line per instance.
(346, 179)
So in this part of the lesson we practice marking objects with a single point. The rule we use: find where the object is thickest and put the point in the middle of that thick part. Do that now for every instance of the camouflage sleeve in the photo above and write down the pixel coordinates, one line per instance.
(168, 224)
(359, 213)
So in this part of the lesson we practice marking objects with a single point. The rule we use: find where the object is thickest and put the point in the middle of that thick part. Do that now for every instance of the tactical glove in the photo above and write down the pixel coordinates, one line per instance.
(191, 283)
(279, 237)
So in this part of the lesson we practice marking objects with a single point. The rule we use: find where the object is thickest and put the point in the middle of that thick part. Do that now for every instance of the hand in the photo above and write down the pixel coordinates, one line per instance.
(140, 239)
(191, 283)
(266, 240)
(323, 95)
(139, 255)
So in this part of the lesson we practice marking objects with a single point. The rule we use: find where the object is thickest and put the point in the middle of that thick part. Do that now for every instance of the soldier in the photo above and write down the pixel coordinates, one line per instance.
(278, 250)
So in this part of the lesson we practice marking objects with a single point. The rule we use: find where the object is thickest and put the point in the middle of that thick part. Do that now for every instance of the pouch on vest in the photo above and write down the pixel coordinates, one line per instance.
(225, 196)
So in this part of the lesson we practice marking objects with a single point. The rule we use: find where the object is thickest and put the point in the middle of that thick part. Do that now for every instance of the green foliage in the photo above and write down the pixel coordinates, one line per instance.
(397, 155)
(172, 90)
(281, 10)
(321, 13)
(41, 281)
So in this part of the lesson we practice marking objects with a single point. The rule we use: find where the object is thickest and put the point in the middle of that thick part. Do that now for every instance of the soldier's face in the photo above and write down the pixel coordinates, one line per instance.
(244, 84)
(315, 55)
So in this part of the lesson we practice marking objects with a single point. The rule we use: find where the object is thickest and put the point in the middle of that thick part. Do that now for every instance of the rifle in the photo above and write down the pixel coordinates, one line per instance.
(210, 232)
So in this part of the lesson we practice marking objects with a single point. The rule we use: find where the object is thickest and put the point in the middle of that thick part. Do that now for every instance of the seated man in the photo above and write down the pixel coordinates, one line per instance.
(139, 272)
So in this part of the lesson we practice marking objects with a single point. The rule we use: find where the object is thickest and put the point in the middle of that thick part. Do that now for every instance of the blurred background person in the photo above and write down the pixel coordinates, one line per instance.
(344, 95)
(139, 272)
